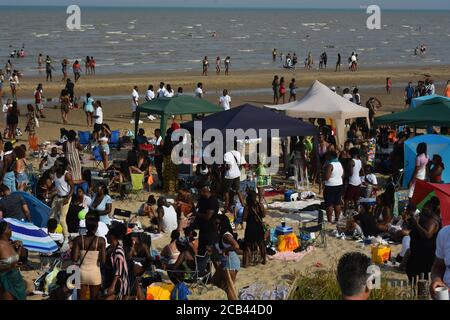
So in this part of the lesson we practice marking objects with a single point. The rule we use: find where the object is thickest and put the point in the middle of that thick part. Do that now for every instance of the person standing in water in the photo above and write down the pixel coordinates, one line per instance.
(205, 66)
(227, 65)
(48, 68)
(338, 63)
(218, 65)
(40, 61)
(274, 54)
(64, 65)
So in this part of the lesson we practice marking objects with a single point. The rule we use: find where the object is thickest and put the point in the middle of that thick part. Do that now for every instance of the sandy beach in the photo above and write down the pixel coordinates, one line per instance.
(117, 115)
(252, 87)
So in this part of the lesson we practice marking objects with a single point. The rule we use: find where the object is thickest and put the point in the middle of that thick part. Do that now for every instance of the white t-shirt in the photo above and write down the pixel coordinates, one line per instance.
(231, 159)
(98, 113)
(348, 96)
(443, 251)
(169, 94)
(336, 175)
(371, 178)
(225, 102)
(355, 179)
(354, 58)
(150, 95)
(170, 220)
(134, 99)
(161, 92)
(198, 92)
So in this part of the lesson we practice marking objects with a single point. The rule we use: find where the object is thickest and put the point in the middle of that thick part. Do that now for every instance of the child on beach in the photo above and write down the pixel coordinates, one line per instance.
(388, 85)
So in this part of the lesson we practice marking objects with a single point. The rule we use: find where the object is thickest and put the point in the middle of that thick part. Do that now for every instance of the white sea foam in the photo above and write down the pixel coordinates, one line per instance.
(127, 63)
(41, 35)
(188, 27)
(113, 42)
(246, 50)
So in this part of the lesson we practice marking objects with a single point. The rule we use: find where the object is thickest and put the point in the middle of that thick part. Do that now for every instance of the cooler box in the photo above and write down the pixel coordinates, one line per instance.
(281, 231)
(290, 195)
(380, 254)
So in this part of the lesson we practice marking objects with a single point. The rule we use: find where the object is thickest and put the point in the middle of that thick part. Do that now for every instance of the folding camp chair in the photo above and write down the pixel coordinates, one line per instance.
(317, 228)
(200, 277)
(137, 185)
(98, 157)
(85, 138)
(114, 142)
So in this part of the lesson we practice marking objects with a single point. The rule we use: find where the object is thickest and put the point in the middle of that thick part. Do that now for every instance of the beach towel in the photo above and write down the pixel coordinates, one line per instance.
(291, 256)
(13, 283)
(180, 292)
(293, 206)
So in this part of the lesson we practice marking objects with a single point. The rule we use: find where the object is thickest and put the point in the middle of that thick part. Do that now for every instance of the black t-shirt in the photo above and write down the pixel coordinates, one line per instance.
(69, 87)
(207, 235)
(12, 206)
(368, 224)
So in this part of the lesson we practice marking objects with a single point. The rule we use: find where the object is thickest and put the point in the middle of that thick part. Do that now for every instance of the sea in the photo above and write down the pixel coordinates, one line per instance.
(137, 40)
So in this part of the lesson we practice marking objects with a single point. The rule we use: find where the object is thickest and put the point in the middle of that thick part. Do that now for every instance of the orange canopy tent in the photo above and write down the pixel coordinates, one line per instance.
(442, 191)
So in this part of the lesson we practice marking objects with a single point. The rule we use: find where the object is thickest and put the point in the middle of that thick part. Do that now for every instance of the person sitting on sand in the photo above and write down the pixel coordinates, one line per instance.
(185, 263)
(148, 209)
(167, 216)
(353, 276)
(12, 284)
(184, 202)
(170, 253)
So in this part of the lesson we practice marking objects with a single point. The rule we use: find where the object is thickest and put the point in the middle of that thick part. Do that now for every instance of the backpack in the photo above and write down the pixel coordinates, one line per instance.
(180, 292)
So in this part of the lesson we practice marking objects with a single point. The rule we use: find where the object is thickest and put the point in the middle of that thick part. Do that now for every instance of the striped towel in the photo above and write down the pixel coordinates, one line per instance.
(32, 237)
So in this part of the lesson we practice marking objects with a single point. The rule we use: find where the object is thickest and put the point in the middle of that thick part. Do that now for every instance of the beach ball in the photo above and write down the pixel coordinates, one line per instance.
(82, 214)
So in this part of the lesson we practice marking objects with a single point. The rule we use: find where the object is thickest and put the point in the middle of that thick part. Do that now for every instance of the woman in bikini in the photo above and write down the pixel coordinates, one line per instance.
(21, 168)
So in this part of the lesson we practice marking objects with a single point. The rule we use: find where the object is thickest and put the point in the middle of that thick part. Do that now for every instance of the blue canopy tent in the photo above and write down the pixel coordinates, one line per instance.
(421, 100)
(436, 144)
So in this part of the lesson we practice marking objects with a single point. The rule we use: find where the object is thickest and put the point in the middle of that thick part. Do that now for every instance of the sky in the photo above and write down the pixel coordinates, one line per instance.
(320, 4)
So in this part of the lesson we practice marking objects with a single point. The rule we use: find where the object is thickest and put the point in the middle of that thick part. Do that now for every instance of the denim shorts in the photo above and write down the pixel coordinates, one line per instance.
(231, 262)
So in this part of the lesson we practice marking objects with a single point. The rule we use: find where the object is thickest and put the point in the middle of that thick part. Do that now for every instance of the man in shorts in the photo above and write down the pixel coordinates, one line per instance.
(409, 94)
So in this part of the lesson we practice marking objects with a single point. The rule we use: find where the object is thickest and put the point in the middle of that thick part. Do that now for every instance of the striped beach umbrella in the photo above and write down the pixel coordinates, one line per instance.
(32, 237)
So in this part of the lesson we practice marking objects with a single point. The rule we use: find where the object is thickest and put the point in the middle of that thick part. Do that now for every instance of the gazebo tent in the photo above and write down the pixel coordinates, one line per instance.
(421, 100)
(434, 112)
(250, 117)
(442, 191)
(320, 102)
(165, 107)
(436, 144)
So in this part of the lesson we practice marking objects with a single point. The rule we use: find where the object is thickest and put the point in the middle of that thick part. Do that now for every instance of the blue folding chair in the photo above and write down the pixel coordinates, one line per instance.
(114, 142)
(98, 157)
(85, 137)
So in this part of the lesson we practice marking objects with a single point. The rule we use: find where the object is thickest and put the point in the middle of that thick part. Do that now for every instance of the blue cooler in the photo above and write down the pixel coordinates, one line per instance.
(283, 230)
(287, 195)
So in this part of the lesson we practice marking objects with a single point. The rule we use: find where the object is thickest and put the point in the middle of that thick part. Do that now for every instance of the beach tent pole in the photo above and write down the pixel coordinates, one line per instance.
(136, 123)
(163, 125)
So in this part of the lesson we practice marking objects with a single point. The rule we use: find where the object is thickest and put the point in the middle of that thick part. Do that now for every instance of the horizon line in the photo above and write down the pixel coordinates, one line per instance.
(216, 7)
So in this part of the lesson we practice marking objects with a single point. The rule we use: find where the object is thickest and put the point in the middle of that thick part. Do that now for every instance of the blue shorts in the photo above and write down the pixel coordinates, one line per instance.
(22, 177)
(230, 262)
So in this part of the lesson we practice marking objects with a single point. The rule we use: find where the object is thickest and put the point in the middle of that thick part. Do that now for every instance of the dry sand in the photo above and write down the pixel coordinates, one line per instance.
(117, 115)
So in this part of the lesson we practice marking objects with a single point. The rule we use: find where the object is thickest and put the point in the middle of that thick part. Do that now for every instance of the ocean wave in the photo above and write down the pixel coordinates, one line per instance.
(188, 27)
(127, 63)
(105, 64)
(246, 50)
(113, 42)
(41, 35)
(129, 39)
(116, 32)
(194, 61)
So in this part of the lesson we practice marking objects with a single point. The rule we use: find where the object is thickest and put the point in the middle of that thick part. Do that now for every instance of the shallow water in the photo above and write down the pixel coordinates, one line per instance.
(177, 39)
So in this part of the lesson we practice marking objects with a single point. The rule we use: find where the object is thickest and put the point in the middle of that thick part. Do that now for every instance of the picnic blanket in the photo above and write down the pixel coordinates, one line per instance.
(293, 206)
(291, 256)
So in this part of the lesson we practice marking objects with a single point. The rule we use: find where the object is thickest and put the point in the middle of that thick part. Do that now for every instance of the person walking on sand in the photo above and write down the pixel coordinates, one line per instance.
(8, 68)
(64, 99)
(199, 91)
(292, 90)
(76, 67)
(38, 100)
(88, 107)
(205, 66)
(227, 65)
(282, 89)
(409, 94)
(218, 63)
(388, 85)
(40, 61)
(225, 100)
(13, 84)
(276, 89)
(134, 103)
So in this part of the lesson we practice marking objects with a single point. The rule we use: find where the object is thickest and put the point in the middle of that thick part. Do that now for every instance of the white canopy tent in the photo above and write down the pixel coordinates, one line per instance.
(320, 102)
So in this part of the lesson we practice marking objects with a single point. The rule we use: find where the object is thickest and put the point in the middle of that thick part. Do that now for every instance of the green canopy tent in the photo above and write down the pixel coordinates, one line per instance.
(166, 107)
(434, 112)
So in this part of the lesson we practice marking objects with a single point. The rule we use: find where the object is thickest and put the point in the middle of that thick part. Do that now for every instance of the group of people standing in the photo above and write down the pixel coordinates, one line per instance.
(226, 62)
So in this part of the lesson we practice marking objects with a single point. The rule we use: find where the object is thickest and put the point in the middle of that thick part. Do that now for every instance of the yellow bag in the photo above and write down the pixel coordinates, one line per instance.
(380, 254)
(159, 291)
(288, 242)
